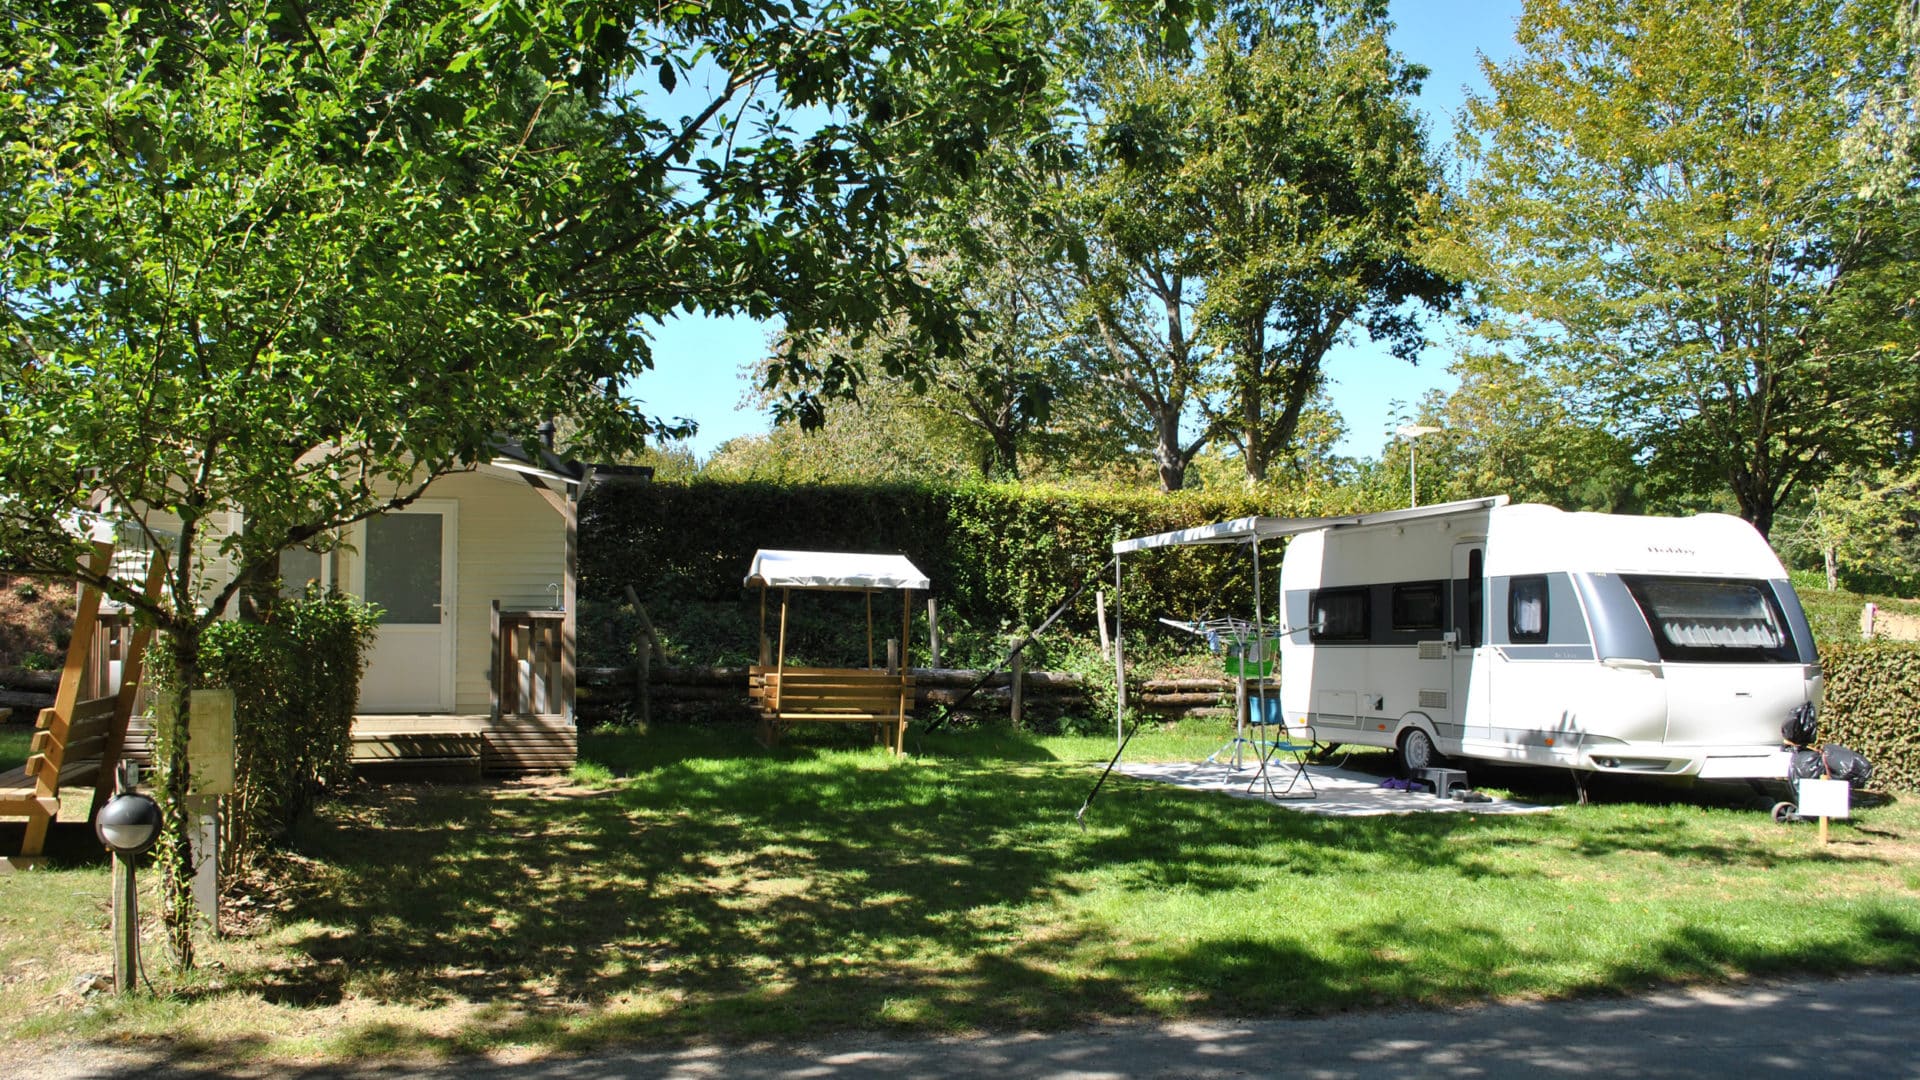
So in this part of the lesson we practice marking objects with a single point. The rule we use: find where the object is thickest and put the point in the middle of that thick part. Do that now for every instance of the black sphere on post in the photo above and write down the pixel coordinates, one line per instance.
(129, 824)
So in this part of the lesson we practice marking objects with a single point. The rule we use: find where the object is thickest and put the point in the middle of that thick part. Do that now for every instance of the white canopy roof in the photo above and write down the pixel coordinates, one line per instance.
(1247, 529)
(834, 570)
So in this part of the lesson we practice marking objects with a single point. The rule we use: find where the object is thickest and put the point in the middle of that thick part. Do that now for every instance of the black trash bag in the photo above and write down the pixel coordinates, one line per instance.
(1847, 765)
(1840, 762)
(1801, 725)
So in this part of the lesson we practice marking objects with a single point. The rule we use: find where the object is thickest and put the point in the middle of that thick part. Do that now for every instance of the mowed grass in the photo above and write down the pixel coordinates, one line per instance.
(688, 885)
(15, 740)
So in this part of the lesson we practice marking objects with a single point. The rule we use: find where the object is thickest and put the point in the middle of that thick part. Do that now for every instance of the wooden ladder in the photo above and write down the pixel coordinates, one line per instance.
(77, 742)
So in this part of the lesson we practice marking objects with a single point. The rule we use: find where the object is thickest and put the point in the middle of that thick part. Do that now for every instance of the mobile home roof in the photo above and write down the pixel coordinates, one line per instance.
(1246, 529)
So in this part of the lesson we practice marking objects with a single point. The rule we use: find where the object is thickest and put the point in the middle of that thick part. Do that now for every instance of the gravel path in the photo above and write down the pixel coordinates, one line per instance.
(1866, 1026)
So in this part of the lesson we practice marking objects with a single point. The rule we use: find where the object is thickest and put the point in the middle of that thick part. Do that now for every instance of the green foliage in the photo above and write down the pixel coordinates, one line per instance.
(1661, 214)
(1872, 705)
(1506, 431)
(291, 262)
(295, 679)
(1000, 557)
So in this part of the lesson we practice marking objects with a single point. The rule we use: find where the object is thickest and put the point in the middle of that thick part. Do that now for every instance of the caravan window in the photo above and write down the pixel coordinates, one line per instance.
(1712, 619)
(1339, 615)
(1417, 606)
(1527, 610)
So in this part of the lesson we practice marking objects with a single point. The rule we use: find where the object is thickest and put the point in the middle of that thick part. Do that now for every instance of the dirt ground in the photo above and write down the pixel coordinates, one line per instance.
(36, 619)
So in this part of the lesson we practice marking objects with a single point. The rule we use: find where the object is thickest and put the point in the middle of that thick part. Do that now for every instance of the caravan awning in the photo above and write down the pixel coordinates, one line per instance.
(833, 570)
(1248, 529)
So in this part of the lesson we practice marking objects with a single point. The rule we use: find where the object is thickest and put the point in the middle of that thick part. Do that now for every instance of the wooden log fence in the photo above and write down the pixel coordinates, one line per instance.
(681, 687)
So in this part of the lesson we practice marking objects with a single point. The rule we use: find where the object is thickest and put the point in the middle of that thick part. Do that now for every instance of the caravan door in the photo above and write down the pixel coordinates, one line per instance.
(1471, 653)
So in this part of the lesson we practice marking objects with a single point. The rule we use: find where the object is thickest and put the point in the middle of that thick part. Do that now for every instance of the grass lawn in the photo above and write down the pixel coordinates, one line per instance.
(688, 885)
(14, 742)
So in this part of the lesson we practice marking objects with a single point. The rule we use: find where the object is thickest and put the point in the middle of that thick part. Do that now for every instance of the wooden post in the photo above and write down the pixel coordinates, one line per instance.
(780, 659)
(893, 656)
(497, 664)
(570, 606)
(869, 627)
(766, 651)
(933, 632)
(126, 926)
(643, 648)
(1100, 616)
(906, 629)
(1019, 686)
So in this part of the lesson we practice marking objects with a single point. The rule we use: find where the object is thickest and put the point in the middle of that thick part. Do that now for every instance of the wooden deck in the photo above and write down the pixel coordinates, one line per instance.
(439, 746)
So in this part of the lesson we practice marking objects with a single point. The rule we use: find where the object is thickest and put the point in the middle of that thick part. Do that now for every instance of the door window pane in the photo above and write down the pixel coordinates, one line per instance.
(299, 568)
(403, 567)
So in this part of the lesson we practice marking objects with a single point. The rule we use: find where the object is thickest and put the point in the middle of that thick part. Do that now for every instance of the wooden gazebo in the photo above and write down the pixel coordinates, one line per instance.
(786, 695)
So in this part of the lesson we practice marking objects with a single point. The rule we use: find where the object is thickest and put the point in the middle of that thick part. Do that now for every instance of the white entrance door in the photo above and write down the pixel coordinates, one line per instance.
(406, 566)
(1471, 653)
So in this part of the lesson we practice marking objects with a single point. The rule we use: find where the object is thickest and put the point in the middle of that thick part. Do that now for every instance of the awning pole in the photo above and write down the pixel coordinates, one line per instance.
(869, 627)
(1119, 669)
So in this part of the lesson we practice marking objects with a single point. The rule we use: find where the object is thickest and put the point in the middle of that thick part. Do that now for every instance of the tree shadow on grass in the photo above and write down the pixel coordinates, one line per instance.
(802, 891)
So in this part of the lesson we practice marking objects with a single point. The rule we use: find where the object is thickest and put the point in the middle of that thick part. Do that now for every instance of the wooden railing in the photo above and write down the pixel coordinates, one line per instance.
(529, 663)
(106, 657)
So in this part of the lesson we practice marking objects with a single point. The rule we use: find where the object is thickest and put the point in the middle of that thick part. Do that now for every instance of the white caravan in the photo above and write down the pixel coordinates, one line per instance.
(1525, 634)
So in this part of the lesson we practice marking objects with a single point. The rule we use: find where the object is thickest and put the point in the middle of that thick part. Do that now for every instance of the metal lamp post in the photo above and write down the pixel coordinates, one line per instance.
(128, 825)
(1410, 432)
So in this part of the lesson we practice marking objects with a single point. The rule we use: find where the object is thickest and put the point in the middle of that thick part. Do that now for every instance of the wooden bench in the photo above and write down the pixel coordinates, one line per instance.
(63, 754)
(804, 695)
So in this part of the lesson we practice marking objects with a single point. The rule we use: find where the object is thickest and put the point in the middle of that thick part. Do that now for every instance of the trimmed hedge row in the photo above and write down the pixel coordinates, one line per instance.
(999, 556)
(1873, 705)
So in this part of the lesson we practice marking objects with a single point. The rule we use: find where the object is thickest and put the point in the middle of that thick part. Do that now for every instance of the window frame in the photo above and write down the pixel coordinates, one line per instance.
(1516, 635)
(1437, 589)
(1786, 652)
(1318, 597)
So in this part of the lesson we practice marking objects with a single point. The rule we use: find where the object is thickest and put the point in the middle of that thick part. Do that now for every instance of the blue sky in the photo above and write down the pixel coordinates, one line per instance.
(698, 360)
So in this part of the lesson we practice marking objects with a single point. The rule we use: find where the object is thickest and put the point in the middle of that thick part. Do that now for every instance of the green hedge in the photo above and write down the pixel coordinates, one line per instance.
(1873, 705)
(295, 679)
(1000, 557)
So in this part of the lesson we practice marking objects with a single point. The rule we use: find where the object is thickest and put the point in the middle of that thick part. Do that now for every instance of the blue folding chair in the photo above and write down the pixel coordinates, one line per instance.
(1277, 740)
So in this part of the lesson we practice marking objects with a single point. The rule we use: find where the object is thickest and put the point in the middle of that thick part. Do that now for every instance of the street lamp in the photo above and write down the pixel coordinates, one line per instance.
(1411, 432)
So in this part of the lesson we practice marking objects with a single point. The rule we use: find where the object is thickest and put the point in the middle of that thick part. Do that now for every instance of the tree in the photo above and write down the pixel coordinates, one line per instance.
(1505, 431)
(298, 257)
(1308, 172)
(1245, 211)
(1662, 215)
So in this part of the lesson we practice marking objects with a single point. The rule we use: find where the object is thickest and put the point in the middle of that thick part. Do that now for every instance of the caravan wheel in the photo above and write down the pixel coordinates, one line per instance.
(1417, 751)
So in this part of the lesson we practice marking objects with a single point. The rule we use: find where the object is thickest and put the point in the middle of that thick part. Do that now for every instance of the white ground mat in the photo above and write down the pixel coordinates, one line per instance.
(1343, 793)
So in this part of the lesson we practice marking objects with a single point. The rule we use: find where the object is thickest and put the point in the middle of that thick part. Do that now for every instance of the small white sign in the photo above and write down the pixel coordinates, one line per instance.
(1823, 798)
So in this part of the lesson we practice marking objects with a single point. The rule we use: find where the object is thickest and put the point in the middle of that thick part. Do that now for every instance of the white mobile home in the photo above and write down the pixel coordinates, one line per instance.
(1525, 634)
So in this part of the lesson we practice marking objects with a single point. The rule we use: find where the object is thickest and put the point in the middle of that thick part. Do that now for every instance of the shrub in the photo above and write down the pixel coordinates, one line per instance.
(1873, 705)
(1000, 556)
(295, 679)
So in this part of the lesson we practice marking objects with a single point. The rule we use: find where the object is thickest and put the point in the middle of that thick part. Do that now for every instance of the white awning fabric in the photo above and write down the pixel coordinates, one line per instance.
(1248, 529)
(833, 570)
